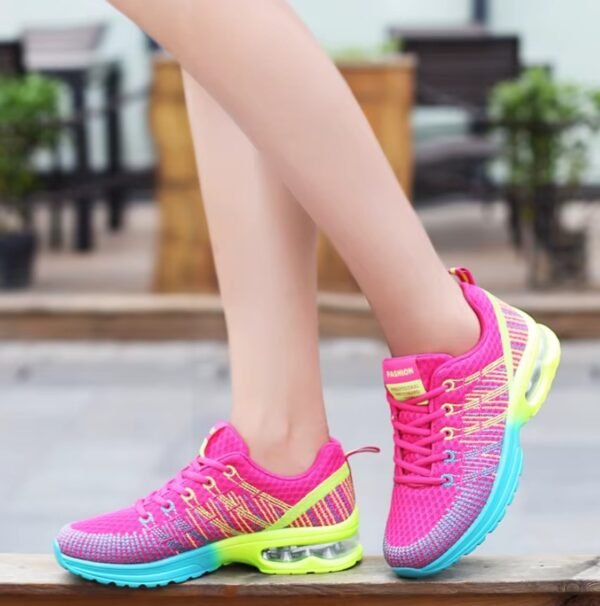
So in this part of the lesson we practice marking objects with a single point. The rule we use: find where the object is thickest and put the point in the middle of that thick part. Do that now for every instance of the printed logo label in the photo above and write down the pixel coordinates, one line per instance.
(400, 372)
(407, 390)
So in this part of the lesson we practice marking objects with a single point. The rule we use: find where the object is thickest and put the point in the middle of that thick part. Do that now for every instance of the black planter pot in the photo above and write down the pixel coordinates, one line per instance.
(17, 253)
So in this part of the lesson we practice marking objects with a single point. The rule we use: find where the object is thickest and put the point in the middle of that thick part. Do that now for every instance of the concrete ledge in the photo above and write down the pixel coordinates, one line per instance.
(37, 579)
(192, 317)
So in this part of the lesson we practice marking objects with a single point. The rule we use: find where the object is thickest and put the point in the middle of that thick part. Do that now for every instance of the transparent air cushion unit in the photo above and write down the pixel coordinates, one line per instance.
(323, 551)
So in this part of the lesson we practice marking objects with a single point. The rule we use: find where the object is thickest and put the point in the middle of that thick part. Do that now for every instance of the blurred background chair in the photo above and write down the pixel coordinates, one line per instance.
(62, 48)
(457, 68)
(69, 54)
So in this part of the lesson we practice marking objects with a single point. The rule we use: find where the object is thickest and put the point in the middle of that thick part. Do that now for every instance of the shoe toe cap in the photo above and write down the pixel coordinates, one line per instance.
(415, 555)
(110, 538)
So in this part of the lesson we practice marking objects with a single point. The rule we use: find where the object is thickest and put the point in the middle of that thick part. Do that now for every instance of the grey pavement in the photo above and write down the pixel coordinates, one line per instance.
(89, 427)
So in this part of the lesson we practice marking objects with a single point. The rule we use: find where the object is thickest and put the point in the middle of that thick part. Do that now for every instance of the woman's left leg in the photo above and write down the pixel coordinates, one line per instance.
(271, 489)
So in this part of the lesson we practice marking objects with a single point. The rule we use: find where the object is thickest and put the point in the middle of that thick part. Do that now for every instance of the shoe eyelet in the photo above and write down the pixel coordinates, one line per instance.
(449, 479)
(448, 433)
(169, 508)
(188, 495)
(448, 407)
(209, 483)
(146, 519)
(230, 471)
(450, 456)
(449, 384)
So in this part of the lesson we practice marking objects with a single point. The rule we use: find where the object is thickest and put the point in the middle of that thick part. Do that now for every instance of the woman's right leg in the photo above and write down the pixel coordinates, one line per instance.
(264, 246)
(269, 73)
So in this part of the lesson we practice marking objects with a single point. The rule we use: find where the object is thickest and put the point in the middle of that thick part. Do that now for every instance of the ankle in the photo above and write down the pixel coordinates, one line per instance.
(280, 446)
(452, 328)
(465, 329)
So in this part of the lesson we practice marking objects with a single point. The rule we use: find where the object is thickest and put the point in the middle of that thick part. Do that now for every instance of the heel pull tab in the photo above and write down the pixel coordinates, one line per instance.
(364, 449)
(463, 274)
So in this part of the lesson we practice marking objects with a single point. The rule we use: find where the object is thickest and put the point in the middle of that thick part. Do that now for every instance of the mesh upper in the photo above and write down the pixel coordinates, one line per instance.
(424, 522)
(250, 500)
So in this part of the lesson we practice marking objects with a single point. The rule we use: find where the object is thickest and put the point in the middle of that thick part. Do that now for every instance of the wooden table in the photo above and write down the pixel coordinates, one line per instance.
(185, 317)
(549, 581)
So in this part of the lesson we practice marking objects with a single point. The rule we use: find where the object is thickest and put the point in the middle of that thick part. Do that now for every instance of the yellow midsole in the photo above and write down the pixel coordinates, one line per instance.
(248, 549)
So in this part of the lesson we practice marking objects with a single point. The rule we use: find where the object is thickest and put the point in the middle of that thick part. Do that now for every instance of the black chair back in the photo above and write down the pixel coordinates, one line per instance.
(459, 67)
(11, 58)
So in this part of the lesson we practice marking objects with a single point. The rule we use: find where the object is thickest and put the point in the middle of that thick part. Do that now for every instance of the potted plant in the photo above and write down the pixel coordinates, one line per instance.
(547, 129)
(28, 109)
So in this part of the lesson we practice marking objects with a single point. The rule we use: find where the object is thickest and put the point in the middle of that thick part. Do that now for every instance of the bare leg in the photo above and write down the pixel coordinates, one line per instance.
(264, 245)
(270, 75)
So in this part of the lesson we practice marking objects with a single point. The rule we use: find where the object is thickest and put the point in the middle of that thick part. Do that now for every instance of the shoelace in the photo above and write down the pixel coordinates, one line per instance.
(195, 471)
(418, 472)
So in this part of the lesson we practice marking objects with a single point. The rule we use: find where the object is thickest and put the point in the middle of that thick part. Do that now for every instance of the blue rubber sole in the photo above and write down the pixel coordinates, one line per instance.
(288, 550)
(176, 569)
(502, 495)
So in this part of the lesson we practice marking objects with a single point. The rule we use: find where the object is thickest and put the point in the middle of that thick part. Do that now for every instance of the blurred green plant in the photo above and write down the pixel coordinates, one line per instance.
(547, 127)
(28, 113)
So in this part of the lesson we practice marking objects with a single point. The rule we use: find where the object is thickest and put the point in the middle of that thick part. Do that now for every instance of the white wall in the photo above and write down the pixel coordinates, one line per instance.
(341, 23)
(337, 23)
(123, 41)
(561, 33)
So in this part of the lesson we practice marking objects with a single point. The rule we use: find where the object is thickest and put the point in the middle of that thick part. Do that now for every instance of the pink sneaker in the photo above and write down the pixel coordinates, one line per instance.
(456, 431)
(223, 508)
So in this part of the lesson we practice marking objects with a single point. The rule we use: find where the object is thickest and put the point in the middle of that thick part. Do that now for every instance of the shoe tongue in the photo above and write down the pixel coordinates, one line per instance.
(223, 439)
(410, 376)
(407, 378)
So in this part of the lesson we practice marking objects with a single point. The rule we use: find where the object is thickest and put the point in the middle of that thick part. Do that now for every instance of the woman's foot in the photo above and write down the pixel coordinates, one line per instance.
(223, 508)
(457, 422)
